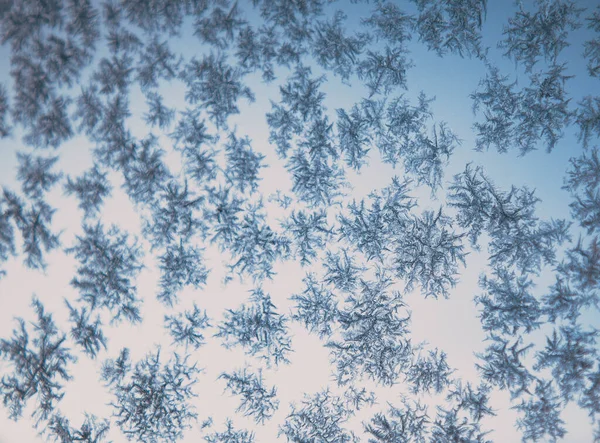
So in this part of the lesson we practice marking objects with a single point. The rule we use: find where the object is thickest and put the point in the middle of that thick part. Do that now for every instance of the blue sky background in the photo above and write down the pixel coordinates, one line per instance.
(452, 325)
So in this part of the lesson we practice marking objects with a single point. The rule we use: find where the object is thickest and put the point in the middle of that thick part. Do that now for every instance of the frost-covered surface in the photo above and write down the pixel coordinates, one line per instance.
(299, 220)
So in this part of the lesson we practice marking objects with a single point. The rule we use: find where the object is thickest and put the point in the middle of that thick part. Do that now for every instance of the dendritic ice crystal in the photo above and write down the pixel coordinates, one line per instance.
(309, 221)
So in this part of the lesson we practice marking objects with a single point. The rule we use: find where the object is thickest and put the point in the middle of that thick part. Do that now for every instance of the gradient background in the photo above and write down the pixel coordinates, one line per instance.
(452, 325)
